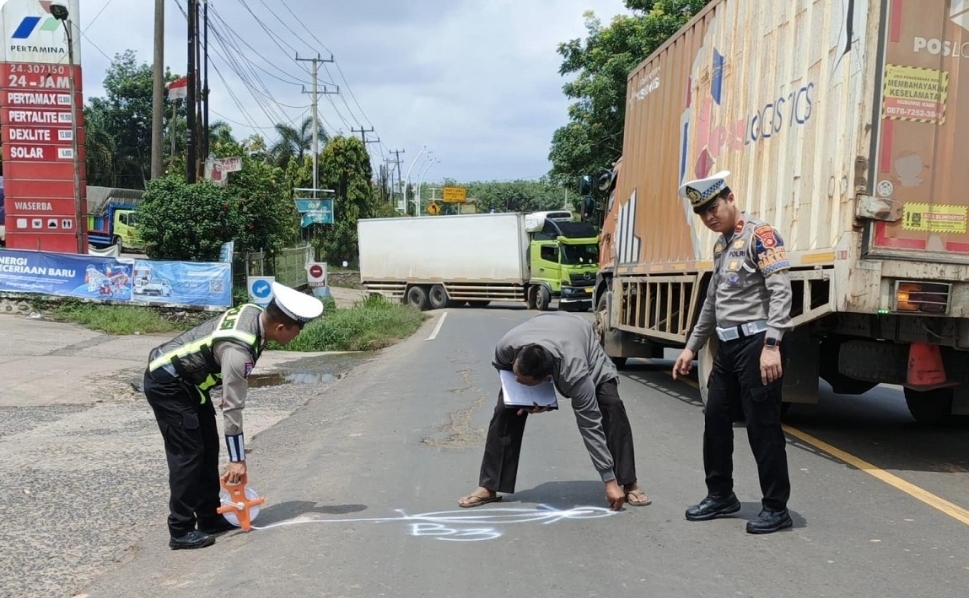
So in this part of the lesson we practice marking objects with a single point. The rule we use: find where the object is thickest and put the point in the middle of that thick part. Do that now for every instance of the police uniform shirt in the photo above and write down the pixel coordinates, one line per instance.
(750, 283)
(236, 365)
(580, 365)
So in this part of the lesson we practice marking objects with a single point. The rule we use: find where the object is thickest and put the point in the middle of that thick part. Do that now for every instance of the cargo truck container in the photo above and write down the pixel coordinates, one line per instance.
(840, 122)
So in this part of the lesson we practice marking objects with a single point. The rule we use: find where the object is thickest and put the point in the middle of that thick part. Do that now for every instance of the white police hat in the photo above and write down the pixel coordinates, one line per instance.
(299, 306)
(702, 191)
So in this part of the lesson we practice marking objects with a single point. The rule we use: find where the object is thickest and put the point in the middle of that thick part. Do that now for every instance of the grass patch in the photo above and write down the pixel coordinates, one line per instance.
(122, 319)
(371, 324)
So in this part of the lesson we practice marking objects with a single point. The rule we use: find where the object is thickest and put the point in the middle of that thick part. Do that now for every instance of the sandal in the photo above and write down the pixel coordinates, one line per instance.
(476, 500)
(637, 498)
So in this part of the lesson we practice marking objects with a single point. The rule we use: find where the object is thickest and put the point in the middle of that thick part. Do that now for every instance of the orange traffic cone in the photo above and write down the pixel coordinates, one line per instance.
(925, 368)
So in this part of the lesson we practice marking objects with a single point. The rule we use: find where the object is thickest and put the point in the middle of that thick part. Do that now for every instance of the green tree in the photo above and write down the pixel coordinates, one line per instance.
(99, 148)
(345, 168)
(295, 143)
(124, 114)
(261, 196)
(601, 64)
(186, 222)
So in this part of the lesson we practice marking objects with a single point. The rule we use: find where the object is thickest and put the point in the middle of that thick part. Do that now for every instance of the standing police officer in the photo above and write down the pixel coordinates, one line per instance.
(180, 375)
(748, 305)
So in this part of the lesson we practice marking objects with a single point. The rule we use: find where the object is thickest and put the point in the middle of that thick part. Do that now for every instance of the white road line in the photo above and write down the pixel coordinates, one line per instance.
(437, 328)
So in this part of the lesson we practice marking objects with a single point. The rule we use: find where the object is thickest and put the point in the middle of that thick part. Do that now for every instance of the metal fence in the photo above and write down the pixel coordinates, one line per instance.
(287, 265)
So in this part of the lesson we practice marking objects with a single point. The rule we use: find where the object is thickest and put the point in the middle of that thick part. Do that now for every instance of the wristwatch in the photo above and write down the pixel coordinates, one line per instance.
(771, 342)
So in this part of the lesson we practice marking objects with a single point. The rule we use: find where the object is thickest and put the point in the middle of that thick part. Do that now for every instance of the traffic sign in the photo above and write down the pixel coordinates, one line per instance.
(261, 289)
(434, 208)
(316, 274)
(454, 194)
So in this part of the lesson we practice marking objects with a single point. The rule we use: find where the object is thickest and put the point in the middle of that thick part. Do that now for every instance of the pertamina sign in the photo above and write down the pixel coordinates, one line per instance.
(37, 127)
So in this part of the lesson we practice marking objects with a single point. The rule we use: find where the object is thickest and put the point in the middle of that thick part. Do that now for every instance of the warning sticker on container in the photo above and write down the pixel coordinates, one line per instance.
(936, 219)
(915, 94)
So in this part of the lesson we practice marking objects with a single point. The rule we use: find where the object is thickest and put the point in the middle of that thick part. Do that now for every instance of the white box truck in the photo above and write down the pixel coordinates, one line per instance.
(473, 259)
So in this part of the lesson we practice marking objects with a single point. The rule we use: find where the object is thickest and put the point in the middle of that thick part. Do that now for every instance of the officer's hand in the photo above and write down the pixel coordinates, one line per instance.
(535, 409)
(234, 472)
(684, 363)
(615, 495)
(770, 365)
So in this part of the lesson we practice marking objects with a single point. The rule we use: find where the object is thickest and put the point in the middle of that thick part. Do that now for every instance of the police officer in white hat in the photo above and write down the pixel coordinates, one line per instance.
(748, 306)
(180, 375)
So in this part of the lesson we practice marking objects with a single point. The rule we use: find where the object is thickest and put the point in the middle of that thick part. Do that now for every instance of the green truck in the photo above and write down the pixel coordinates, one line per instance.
(474, 259)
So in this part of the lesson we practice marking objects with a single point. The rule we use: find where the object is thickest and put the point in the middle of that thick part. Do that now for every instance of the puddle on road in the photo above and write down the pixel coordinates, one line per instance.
(311, 370)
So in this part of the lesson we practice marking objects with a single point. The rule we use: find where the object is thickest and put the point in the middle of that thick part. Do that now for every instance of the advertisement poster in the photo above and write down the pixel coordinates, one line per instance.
(64, 275)
(110, 279)
(183, 283)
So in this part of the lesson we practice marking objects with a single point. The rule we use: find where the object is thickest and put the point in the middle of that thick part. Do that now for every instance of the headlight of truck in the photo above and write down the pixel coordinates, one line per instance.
(925, 297)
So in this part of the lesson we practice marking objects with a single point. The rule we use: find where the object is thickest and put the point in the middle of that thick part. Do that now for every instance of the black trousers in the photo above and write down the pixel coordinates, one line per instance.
(191, 437)
(735, 384)
(499, 466)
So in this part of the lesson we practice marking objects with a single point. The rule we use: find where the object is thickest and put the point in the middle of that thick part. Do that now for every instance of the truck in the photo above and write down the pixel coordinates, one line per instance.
(474, 259)
(840, 125)
(113, 218)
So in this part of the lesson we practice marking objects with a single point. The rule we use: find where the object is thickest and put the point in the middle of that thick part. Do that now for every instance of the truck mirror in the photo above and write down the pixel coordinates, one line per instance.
(585, 185)
(607, 179)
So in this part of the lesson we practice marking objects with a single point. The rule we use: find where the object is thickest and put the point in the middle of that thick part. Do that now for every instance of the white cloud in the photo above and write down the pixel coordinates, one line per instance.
(475, 81)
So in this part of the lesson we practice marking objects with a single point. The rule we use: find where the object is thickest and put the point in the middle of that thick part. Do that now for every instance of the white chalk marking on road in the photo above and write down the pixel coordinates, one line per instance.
(437, 328)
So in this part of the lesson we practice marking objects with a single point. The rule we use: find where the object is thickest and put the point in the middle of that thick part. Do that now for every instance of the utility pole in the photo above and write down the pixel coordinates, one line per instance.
(190, 101)
(205, 81)
(363, 134)
(158, 91)
(316, 93)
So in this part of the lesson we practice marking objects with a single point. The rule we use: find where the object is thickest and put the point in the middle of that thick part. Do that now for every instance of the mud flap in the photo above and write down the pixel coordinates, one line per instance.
(801, 367)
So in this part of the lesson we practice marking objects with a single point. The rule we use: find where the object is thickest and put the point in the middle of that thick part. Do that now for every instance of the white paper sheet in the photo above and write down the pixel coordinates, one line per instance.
(519, 395)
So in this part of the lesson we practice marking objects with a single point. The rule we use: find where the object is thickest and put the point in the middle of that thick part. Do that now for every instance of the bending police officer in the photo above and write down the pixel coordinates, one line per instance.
(748, 305)
(180, 375)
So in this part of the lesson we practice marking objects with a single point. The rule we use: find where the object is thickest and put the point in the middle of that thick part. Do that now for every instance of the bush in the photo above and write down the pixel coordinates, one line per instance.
(371, 324)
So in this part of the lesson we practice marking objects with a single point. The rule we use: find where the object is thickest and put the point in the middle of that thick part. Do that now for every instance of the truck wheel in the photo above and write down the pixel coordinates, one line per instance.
(417, 297)
(531, 297)
(600, 327)
(543, 299)
(930, 406)
(117, 241)
(438, 297)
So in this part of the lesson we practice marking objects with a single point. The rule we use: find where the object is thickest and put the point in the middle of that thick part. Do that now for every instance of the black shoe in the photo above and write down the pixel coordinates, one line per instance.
(193, 539)
(216, 526)
(713, 506)
(769, 522)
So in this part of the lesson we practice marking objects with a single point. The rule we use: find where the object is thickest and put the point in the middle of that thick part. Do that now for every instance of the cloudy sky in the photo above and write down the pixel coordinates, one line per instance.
(476, 81)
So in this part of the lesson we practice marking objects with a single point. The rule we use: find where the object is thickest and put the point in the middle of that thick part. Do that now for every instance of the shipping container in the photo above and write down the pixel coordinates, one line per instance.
(839, 122)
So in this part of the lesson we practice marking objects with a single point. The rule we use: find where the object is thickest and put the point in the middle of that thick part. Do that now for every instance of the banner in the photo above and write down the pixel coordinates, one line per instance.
(124, 280)
(182, 283)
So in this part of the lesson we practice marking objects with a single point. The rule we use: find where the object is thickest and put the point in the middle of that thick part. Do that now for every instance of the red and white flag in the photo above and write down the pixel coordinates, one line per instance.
(178, 89)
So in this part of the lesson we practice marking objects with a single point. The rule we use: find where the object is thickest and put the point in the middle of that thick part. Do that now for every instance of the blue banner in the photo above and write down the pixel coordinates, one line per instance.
(315, 211)
(134, 281)
(64, 275)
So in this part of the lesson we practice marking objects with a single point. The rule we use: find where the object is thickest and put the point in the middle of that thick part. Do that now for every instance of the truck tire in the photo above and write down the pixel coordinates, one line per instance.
(600, 326)
(930, 406)
(116, 240)
(543, 299)
(417, 297)
(437, 297)
(531, 297)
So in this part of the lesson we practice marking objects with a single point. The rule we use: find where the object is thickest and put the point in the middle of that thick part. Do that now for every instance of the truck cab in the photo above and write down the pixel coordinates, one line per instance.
(563, 259)
(117, 226)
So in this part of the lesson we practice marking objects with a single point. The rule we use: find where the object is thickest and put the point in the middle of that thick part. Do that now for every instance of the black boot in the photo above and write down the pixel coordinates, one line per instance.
(215, 526)
(769, 522)
(193, 539)
(713, 506)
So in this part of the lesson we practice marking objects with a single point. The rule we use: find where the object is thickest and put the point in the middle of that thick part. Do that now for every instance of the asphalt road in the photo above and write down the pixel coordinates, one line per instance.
(361, 486)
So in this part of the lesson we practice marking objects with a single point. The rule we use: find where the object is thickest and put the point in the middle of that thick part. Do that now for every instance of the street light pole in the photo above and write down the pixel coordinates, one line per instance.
(407, 176)
(59, 11)
(420, 182)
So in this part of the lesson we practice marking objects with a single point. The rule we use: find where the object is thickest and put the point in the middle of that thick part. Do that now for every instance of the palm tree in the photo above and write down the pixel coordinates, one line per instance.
(99, 148)
(295, 143)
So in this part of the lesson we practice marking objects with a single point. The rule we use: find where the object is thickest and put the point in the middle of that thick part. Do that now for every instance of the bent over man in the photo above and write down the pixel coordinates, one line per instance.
(180, 375)
(563, 348)
(748, 305)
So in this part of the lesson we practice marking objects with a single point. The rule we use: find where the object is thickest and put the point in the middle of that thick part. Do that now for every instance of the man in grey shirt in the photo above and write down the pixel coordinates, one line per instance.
(562, 348)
